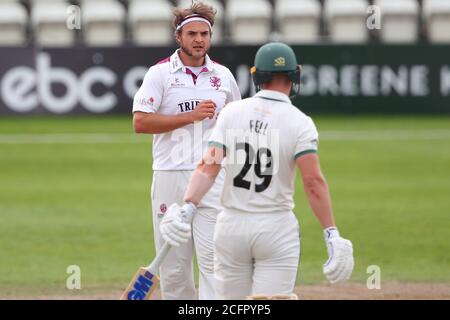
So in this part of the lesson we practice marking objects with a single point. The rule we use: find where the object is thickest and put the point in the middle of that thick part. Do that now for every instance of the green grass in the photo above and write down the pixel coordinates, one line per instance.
(88, 204)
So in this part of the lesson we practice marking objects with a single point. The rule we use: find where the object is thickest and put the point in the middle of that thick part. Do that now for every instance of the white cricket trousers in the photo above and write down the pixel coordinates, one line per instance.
(255, 253)
(177, 270)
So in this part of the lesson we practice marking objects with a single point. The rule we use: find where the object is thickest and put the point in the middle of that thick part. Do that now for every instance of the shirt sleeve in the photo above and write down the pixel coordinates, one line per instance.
(218, 135)
(149, 96)
(307, 140)
(235, 93)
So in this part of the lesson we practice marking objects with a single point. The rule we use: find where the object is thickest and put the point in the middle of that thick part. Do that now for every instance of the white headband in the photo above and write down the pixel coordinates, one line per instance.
(193, 18)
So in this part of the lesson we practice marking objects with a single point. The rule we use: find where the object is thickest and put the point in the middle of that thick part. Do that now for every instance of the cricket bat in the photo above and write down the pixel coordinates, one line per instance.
(146, 279)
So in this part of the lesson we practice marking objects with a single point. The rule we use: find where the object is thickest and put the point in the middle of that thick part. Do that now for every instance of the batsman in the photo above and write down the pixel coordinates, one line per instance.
(261, 141)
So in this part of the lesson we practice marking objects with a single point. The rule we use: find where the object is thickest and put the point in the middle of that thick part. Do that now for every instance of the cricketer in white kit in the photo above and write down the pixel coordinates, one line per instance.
(261, 141)
(179, 102)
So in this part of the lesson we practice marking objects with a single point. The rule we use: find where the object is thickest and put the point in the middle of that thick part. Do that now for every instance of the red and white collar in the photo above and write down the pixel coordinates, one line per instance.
(176, 64)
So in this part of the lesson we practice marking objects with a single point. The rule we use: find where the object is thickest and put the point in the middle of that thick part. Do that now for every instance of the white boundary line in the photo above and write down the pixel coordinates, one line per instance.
(125, 138)
(72, 138)
(385, 135)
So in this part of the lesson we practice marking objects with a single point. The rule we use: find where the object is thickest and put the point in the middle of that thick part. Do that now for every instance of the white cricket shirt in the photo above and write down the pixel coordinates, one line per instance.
(171, 88)
(262, 136)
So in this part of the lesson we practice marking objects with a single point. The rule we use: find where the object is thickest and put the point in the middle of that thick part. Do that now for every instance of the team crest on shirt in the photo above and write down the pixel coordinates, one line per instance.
(215, 82)
(280, 62)
(163, 209)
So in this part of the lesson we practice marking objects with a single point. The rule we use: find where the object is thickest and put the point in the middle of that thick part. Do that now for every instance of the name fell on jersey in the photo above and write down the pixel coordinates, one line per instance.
(259, 126)
(189, 105)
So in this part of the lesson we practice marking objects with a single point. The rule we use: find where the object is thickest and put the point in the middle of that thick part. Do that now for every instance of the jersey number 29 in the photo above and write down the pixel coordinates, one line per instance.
(239, 180)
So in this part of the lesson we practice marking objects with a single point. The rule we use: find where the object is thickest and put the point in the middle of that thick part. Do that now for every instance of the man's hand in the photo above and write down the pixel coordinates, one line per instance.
(175, 227)
(339, 266)
(204, 109)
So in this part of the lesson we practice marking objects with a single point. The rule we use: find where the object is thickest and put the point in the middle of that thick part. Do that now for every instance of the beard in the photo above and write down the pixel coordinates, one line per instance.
(186, 50)
(189, 52)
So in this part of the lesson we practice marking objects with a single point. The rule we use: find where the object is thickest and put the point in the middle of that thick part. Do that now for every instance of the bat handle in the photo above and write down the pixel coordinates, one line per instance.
(154, 266)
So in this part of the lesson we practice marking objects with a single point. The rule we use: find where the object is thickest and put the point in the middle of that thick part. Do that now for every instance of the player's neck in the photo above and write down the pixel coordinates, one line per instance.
(189, 61)
(279, 82)
(277, 87)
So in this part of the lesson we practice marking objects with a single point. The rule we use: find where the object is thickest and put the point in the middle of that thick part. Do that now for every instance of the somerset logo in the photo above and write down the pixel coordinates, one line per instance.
(215, 82)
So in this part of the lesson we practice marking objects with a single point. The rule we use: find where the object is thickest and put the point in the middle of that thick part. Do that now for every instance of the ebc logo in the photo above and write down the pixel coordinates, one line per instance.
(141, 287)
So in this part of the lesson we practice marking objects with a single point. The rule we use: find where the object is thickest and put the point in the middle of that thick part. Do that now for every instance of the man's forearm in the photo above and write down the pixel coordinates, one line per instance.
(319, 199)
(202, 179)
(155, 123)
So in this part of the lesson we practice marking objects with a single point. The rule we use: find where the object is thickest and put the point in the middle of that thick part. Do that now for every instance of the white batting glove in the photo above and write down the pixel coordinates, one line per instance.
(339, 266)
(175, 227)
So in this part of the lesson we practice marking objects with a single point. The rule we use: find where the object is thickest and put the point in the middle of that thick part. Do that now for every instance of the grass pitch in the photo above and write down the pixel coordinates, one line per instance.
(75, 191)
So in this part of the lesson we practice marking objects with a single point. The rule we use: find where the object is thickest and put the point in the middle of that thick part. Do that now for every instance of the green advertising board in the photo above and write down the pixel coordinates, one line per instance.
(375, 78)
(372, 78)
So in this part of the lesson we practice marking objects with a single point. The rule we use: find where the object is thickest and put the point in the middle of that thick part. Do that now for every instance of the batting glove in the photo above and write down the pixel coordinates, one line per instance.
(339, 266)
(175, 227)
